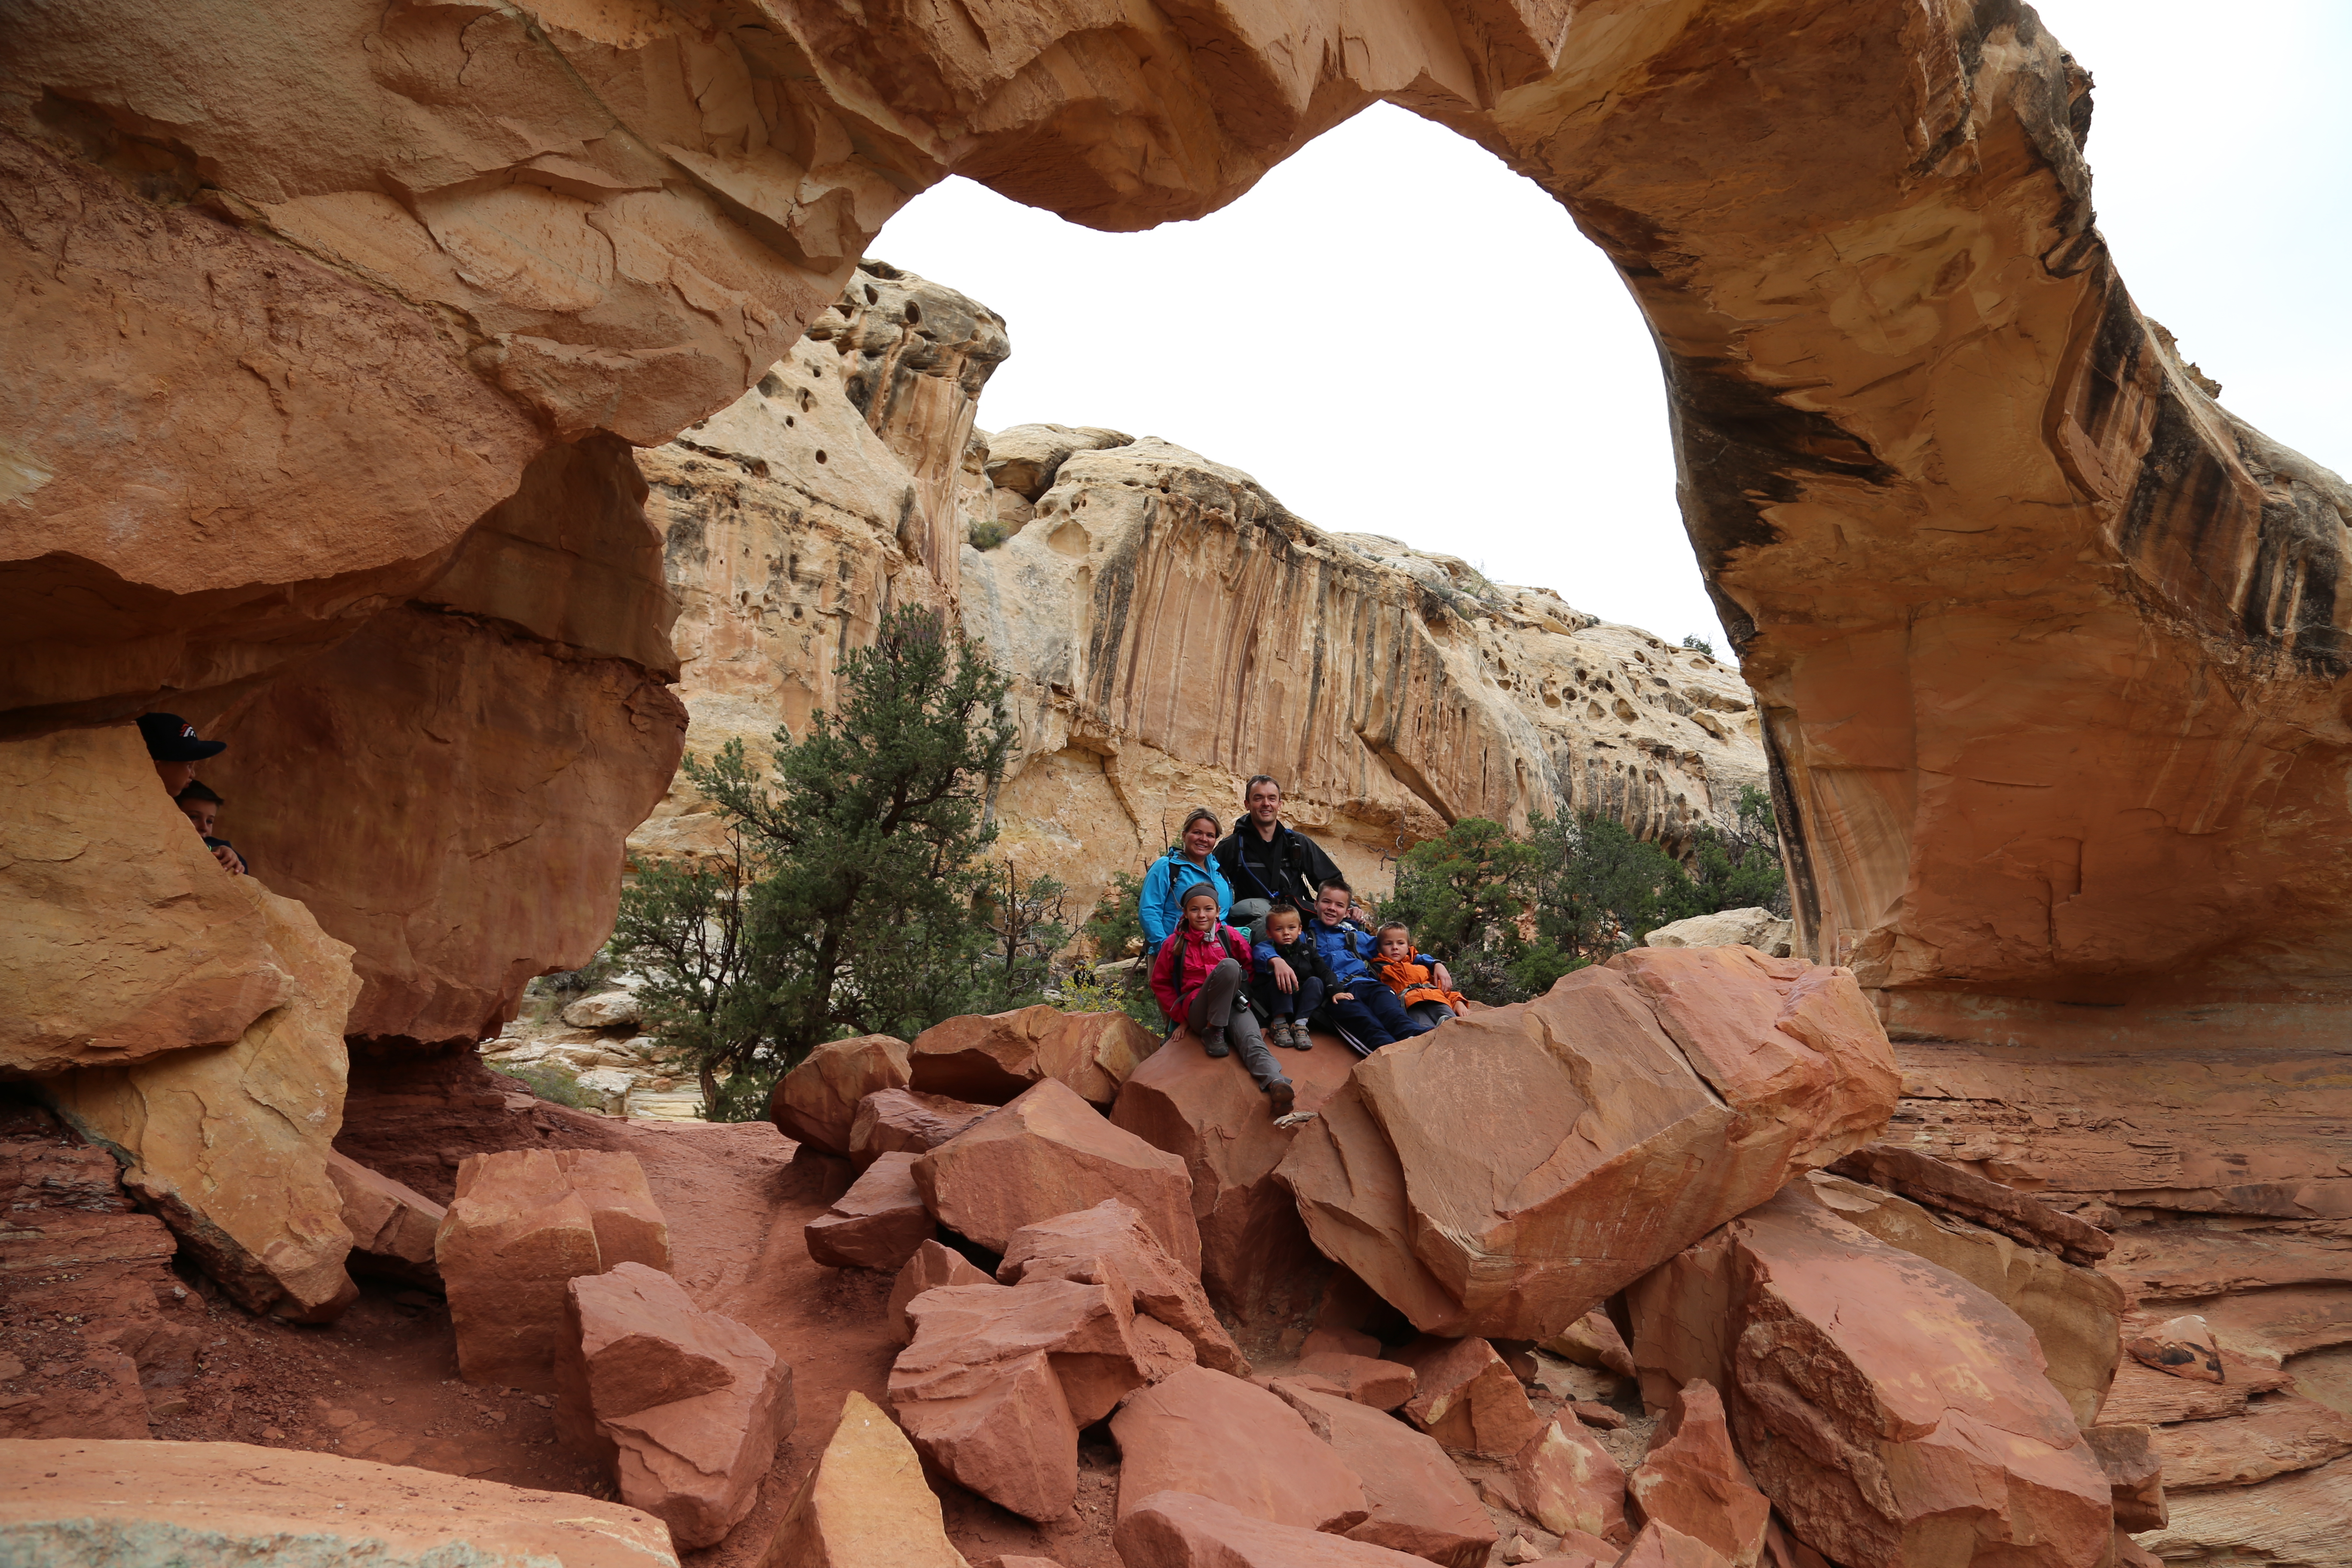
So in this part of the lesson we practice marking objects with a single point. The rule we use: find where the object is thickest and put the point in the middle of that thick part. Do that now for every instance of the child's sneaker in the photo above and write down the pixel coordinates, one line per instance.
(1214, 1042)
(1300, 1041)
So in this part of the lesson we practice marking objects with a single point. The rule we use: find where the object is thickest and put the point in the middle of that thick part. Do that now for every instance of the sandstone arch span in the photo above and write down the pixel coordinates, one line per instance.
(318, 313)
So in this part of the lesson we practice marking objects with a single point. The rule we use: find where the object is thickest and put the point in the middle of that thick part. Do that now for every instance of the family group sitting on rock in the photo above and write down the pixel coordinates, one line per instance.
(1307, 958)
(175, 750)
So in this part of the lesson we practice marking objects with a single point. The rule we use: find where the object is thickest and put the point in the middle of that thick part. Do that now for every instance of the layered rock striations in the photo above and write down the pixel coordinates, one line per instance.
(1392, 691)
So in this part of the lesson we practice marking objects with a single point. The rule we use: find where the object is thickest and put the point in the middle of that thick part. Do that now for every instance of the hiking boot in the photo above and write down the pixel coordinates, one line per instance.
(1214, 1042)
(1283, 1094)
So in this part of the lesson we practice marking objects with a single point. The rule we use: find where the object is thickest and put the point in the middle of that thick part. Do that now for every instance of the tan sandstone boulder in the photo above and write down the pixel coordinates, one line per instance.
(816, 1103)
(1883, 1404)
(1503, 1175)
(905, 1121)
(392, 1223)
(524, 1224)
(2075, 1312)
(877, 1224)
(230, 1145)
(1217, 1437)
(1185, 1530)
(1693, 1481)
(1256, 1260)
(2182, 1346)
(1108, 1244)
(994, 1058)
(1467, 1397)
(865, 1504)
(1567, 1481)
(685, 1407)
(1049, 1152)
(932, 1265)
(139, 1503)
(1419, 1502)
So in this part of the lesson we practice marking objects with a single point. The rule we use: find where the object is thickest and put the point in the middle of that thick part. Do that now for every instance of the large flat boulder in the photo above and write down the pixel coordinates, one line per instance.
(1049, 1152)
(157, 1505)
(992, 1058)
(2075, 1312)
(685, 1407)
(1504, 1174)
(816, 1103)
(523, 1225)
(1108, 1244)
(1185, 1530)
(865, 1504)
(1887, 1407)
(1216, 1436)
(876, 1223)
(1256, 1260)
(230, 1146)
(906, 1121)
(392, 1223)
(1419, 1502)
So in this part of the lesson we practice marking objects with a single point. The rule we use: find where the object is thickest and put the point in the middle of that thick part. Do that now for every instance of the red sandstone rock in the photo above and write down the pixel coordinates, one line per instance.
(1256, 1261)
(817, 1101)
(993, 1059)
(1108, 1242)
(1566, 1481)
(1185, 1530)
(2182, 1346)
(2275, 1437)
(1420, 1503)
(905, 1122)
(877, 1224)
(392, 1223)
(932, 1265)
(1217, 1437)
(130, 1503)
(865, 1504)
(1661, 1545)
(1593, 1341)
(2022, 1216)
(1383, 1384)
(1505, 1198)
(525, 1223)
(2134, 1473)
(1600, 1415)
(685, 1406)
(1331, 1339)
(1693, 1481)
(1849, 1361)
(1048, 1153)
(1001, 1429)
(1467, 1397)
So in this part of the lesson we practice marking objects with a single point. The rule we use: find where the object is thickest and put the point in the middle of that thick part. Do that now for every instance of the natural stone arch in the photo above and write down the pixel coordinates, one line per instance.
(301, 298)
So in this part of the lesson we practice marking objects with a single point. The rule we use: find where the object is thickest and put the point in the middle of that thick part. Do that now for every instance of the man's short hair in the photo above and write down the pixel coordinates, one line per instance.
(195, 793)
(1283, 907)
(1197, 890)
(1257, 779)
(1327, 883)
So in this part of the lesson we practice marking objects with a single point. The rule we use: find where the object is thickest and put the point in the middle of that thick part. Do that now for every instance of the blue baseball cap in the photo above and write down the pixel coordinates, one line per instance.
(172, 739)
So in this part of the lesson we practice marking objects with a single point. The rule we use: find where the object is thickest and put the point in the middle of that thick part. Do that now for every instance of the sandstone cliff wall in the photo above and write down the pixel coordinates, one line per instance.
(1169, 627)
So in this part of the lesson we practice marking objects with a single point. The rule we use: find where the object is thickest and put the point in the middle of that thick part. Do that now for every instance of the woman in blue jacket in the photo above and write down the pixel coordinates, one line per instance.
(1192, 861)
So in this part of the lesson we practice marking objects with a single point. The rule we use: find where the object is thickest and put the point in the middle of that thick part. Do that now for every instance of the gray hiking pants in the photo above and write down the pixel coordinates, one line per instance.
(1218, 1003)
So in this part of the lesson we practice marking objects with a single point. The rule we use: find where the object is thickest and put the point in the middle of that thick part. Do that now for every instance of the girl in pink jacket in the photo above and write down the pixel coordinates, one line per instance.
(1199, 974)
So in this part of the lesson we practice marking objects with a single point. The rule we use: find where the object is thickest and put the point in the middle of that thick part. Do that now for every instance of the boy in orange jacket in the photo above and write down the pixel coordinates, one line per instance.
(1424, 985)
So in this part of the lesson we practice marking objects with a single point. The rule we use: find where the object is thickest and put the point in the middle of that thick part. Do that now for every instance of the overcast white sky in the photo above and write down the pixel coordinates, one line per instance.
(1397, 335)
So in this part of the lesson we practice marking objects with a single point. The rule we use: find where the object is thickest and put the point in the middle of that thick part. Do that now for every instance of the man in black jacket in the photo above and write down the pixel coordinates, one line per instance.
(1267, 863)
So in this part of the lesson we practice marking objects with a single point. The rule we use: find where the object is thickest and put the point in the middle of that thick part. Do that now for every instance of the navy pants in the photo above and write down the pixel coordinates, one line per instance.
(1281, 1004)
(1375, 1016)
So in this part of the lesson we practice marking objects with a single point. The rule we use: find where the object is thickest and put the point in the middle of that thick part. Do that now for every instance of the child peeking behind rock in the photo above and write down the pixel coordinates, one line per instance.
(1289, 996)
(202, 808)
(1198, 975)
(1420, 982)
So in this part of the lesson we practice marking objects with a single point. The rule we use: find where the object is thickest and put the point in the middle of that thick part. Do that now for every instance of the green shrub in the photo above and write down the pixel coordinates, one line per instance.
(988, 533)
(1083, 991)
(1698, 643)
(554, 1082)
(1116, 927)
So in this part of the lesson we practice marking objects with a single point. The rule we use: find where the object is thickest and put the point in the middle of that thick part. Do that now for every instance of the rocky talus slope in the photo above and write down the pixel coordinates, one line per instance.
(1169, 627)
(331, 326)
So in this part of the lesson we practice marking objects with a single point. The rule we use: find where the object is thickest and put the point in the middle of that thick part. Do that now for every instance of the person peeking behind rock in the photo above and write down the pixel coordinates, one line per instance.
(1424, 985)
(174, 746)
(202, 808)
(1198, 975)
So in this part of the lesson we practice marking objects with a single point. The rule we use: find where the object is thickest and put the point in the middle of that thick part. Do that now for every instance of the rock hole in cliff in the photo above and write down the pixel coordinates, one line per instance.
(820, 456)
(771, 385)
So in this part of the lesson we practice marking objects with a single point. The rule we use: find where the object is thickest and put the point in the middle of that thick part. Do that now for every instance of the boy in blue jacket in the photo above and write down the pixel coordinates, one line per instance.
(1371, 1012)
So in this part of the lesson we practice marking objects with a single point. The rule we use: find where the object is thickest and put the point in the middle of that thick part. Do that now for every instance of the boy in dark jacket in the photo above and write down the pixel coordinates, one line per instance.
(1310, 978)
(1199, 976)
